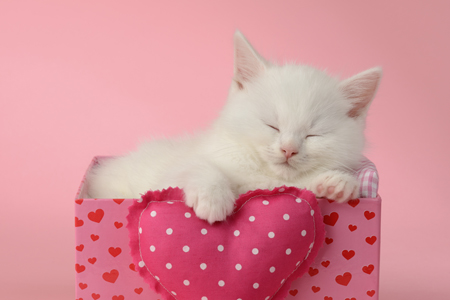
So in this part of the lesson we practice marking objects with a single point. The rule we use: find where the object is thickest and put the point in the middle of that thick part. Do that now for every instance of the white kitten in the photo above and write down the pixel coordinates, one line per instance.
(282, 125)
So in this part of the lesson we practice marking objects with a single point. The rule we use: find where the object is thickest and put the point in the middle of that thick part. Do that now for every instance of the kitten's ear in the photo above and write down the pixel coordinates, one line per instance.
(248, 64)
(360, 90)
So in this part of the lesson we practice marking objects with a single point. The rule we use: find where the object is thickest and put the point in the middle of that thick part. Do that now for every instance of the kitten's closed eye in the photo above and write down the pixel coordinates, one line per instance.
(273, 127)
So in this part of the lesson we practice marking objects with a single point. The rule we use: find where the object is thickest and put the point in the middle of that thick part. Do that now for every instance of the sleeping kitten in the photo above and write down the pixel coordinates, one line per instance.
(288, 125)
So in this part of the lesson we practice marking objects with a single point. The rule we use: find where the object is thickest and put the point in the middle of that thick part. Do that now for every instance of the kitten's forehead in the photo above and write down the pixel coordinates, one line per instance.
(301, 95)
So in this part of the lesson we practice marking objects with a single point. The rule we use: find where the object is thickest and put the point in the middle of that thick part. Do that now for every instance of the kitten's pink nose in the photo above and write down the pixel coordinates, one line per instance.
(288, 152)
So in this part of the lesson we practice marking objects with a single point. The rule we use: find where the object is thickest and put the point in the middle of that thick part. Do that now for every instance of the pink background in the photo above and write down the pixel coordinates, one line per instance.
(86, 78)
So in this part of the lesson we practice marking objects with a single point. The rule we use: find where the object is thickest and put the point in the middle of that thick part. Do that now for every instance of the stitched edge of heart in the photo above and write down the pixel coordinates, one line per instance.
(177, 194)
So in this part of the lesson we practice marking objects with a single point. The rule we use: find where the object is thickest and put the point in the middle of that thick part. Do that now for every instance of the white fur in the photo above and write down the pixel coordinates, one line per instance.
(288, 125)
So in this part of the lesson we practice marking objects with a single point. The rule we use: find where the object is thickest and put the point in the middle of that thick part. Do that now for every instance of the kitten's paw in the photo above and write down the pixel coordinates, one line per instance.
(335, 185)
(213, 203)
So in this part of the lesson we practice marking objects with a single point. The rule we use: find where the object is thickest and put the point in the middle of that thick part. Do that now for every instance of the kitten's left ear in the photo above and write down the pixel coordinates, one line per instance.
(360, 90)
(248, 64)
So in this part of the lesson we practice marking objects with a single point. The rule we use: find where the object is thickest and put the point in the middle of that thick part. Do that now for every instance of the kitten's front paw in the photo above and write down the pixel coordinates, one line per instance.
(335, 185)
(212, 203)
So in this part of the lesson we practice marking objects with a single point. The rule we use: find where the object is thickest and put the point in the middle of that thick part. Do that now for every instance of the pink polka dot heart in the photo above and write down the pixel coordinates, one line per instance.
(271, 238)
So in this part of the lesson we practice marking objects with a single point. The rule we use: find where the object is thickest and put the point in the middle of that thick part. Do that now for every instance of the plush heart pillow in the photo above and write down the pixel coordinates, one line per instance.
(270, 239)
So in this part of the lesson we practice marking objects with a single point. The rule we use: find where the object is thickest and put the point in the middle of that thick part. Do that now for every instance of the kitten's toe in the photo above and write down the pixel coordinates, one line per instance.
(212, 205)
(336, 185)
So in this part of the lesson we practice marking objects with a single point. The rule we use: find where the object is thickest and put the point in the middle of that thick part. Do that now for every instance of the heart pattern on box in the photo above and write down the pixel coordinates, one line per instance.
(356, 239)
(98, 237)
(270, 239)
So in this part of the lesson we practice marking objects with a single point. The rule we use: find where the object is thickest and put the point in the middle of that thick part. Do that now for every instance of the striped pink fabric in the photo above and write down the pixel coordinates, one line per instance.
(368, 178)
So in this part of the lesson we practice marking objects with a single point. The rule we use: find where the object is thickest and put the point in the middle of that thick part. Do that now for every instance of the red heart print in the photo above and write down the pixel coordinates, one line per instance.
(331, 219)
(293, 292)
(83, 285)
(353, 202)
(328, 241)
(312, 272)
(95, 296)
(133, 267)
(138, 290)
(80, 247)
(348, 254)
(118, 224)
(315, 289)
(371, 240)
(78, 222)
(92, 260)
(330, 201)
(114, 251)
(118, 201)
(111, 276)
(96, 216)
(327, 298)
(79, 201)
(368, 269)
(120, 297)
(371, 293)
(325, 263)
(79, 268)
(350, 299)
(344, 279)
(94, 237)
(369, 215)
(352, 227)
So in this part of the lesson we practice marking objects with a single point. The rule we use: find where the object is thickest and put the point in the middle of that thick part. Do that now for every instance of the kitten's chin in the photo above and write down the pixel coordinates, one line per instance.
(284, 170)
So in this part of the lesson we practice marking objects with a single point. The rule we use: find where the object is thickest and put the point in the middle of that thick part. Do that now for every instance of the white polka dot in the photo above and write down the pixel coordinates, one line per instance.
(153, 214)
(281, 190)
(271, 235)
(204, 231)
(255, 251)
(220, 248)
(236, 233)
(169, 202)
(251, 219)
(267, 298)
(186, 248)
(140, 230)
(152, 248)
(203, 266)
(221, 283)
(288, 251)
(238, 267)
(303, 232)
(141, 264)
(204, 298)
(187, 215)
(265, 202)
(140, 200)
(174, 293)
(186, 282)
(298, 200)
(169, 266)
(157, 278)
(312, 212)
(286, 217)
(256, 285)
(272, 269)
(169, 231)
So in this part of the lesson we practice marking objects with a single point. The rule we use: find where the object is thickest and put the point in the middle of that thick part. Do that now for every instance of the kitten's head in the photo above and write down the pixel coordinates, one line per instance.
(296, 119)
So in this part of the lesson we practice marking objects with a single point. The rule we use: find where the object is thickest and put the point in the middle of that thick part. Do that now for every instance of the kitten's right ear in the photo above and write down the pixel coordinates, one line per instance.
(248, 64)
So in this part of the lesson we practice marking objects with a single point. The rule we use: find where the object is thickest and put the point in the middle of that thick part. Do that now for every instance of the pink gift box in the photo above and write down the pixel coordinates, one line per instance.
(346, 268)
